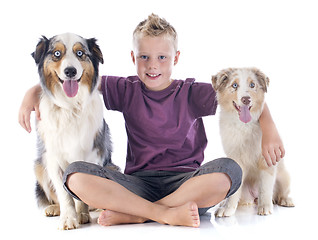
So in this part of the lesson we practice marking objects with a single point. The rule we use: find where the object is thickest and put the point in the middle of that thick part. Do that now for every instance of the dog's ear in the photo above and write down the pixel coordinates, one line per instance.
(41, 49)
(95, 50)
(220, 80)
(262, 79)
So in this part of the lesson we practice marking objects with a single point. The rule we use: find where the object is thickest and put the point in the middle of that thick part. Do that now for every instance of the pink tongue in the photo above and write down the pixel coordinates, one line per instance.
(70, 88)
(245, 115)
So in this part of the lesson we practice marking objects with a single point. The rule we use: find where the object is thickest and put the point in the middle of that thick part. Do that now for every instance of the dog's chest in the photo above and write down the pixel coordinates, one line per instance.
(69, 133)
(239, 138)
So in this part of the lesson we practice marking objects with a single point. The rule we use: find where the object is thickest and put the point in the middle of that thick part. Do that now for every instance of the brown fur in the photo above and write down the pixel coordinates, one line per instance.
(50, 65)
(263, 80)
(223, 81)
(241, 138)
(41, 176)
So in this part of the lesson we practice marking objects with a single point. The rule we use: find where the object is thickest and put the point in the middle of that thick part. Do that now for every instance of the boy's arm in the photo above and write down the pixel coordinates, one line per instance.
(100, 85)
(272, 145)
(30, 102)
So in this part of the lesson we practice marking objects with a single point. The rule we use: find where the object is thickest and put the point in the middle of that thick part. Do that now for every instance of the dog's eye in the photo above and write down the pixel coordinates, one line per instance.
(252, 85)
(57, 54)
(235, 85)
(79, 53)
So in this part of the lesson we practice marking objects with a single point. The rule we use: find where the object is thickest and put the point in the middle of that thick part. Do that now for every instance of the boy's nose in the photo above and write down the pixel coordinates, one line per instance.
(152, 64)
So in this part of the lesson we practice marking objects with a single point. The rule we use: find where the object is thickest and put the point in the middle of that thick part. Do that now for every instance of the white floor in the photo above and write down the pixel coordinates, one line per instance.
(276, 36)
(283, 223)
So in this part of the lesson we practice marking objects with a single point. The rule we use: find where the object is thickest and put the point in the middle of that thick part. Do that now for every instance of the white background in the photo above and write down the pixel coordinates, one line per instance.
(279, 37)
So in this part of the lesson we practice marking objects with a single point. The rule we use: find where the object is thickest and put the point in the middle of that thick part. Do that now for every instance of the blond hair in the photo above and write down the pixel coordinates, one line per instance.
(155, 26)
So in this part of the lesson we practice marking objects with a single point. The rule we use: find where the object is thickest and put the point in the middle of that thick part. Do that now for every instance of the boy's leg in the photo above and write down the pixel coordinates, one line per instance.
(193, 190)
(208, 186)
(107, 194)
(206, 190)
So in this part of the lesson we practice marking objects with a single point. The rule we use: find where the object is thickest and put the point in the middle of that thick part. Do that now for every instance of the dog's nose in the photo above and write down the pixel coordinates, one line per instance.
(70, 72)
(246, 100)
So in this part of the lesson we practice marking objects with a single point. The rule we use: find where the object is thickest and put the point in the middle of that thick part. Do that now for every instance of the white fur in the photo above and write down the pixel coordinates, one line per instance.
(68, 128)
(242, 142)
(68, 133)
(70, 58)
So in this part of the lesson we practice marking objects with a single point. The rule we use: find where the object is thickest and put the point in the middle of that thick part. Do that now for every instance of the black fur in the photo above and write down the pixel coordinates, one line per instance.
(102, 140)
(40, 51)
(96, 57)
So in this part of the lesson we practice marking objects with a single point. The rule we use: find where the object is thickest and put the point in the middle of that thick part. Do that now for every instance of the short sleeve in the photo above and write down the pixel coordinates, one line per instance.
(113, 90)
(202, 99)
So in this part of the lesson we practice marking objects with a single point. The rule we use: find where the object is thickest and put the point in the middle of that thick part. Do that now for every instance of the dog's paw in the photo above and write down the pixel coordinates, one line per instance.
(246, 203)
(265, 209)
(225, 211)
(68, 222)
(285, 202)
(84, 218)
(52, 210)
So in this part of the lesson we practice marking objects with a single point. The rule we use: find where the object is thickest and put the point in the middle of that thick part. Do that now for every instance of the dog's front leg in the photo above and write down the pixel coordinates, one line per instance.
(266, 188)
(230, 206)
(68, 217)
(82, 212)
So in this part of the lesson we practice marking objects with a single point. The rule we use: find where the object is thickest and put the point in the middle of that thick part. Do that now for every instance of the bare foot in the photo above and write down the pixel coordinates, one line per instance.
(109, 218)
(185, 215)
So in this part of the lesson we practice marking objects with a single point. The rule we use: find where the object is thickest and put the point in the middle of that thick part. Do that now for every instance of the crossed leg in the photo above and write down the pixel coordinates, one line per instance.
(123, 206)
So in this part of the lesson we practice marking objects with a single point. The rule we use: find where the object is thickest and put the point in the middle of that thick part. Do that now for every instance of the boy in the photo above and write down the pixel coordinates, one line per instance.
(164, 180)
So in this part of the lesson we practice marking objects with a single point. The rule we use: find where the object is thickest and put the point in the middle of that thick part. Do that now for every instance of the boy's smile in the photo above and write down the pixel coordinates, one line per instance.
(153, 76)
(154, 58)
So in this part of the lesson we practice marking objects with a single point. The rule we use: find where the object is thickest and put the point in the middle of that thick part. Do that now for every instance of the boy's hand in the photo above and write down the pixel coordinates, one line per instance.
(31, 102)
(272, 146)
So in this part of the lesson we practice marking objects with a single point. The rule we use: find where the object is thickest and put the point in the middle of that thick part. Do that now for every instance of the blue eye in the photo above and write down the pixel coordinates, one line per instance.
(79, 53)
(252, 85)
(143, 57)
(57, 54)
(162, 57)
(235, 85)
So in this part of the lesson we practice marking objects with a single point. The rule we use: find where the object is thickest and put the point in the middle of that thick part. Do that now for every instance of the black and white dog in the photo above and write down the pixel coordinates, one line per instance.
(72, 127)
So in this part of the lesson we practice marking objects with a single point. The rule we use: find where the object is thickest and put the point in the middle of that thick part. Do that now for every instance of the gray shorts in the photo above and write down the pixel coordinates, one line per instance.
(155, 185)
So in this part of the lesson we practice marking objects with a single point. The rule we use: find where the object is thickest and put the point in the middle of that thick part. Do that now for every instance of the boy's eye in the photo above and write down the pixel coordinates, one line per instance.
(162, 57)
(143, 57)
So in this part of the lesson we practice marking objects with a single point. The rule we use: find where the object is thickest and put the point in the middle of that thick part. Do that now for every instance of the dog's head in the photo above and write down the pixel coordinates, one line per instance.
(67, 62)
(241, 90)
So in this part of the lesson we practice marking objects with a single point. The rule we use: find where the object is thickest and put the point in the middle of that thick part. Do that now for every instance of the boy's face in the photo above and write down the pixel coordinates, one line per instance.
(154, 58)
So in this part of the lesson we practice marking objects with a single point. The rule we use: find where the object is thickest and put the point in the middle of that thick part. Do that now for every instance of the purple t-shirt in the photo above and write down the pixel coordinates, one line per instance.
(164, 128)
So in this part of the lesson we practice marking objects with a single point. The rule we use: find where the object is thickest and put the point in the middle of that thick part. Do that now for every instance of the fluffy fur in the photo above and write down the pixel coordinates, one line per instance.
(240, 94)
(72, 127)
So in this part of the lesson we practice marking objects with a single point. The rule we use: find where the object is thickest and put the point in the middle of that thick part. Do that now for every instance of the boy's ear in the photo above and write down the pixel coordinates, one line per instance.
(133, 57)
(176, 58)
